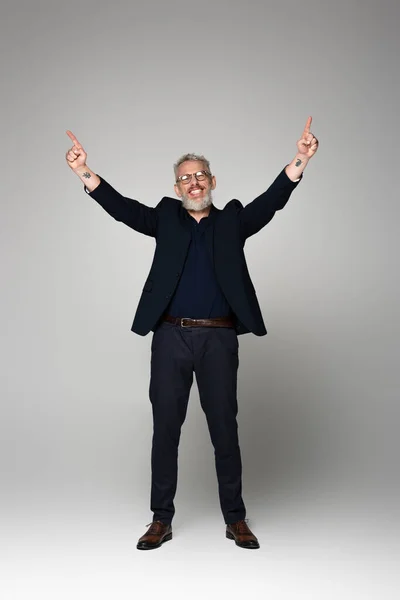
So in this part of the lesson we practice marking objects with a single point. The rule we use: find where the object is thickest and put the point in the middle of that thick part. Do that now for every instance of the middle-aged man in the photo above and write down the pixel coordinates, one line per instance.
(197, 298)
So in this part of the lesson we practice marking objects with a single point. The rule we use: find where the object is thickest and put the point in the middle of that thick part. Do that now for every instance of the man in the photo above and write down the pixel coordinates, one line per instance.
(197, 298)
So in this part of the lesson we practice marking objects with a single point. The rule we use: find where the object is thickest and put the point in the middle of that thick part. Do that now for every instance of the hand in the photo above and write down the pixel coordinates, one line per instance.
(76, 156)
(308, 144)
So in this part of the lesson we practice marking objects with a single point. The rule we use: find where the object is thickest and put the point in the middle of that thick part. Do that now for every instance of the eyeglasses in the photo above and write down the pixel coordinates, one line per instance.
(200, 176)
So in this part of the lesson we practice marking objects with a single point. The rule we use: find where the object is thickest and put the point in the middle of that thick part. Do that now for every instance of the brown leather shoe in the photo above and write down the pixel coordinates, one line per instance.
(157, 534)
(242, 535)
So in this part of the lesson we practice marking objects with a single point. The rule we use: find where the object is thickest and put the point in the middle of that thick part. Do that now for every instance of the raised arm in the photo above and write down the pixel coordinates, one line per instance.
(255, 215)
(136, 215)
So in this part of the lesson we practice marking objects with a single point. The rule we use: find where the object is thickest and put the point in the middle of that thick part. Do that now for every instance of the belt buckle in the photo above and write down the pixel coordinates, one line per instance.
(185, 319)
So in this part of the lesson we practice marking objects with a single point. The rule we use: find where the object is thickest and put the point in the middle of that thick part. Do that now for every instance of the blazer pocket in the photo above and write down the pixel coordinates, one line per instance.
(148, 286)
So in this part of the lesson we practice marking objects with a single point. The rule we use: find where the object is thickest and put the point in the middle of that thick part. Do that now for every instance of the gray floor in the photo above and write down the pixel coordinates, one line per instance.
(322, 548)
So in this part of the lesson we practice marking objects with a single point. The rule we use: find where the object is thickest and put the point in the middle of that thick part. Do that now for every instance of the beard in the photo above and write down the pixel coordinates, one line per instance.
(191, 204)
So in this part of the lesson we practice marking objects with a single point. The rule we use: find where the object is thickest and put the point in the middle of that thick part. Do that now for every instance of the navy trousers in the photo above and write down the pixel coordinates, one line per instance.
(212, 354)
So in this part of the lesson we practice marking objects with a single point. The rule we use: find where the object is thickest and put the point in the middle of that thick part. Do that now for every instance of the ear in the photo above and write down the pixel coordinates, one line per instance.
(177, 190)
(213, 182)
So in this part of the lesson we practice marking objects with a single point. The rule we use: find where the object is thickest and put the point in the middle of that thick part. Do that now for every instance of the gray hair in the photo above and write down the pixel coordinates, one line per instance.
(191, 156)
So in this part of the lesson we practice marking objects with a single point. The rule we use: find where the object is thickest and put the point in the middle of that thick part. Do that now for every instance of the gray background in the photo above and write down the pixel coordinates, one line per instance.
(140, 84)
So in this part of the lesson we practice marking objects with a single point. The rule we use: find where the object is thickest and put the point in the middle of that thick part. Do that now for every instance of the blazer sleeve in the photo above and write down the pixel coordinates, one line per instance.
(255, 215)
(136, 215)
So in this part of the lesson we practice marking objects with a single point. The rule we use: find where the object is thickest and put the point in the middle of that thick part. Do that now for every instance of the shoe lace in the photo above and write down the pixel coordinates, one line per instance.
(155, 527)
(241, 526)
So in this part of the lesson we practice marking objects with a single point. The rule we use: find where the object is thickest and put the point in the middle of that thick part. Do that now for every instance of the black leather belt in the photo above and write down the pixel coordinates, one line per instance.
(185, 322)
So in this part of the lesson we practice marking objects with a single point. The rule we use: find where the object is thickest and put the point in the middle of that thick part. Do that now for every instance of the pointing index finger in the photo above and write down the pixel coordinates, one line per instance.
(307, 127)
(73, 138)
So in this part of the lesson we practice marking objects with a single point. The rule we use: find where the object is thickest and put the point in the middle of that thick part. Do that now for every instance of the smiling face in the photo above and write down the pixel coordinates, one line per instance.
(195, 195)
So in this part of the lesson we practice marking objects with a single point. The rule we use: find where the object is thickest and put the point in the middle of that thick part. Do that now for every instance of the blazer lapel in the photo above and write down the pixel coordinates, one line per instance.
(209, 233)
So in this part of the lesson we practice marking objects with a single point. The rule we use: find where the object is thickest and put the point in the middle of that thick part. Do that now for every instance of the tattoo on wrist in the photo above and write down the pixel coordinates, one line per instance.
(86, 175)
(298, 162)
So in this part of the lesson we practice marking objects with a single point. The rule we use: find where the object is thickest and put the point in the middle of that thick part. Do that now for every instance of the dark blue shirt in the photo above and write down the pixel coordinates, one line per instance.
(198, 295)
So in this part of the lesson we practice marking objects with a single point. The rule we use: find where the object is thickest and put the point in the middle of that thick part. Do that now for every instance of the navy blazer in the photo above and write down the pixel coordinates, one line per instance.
(225, 241)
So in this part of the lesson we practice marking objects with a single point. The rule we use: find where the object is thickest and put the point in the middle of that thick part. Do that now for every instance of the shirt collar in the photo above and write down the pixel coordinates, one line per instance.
(205, 221)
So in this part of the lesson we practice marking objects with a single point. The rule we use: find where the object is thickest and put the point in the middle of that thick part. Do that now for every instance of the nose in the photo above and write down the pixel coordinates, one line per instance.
(195, 184)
